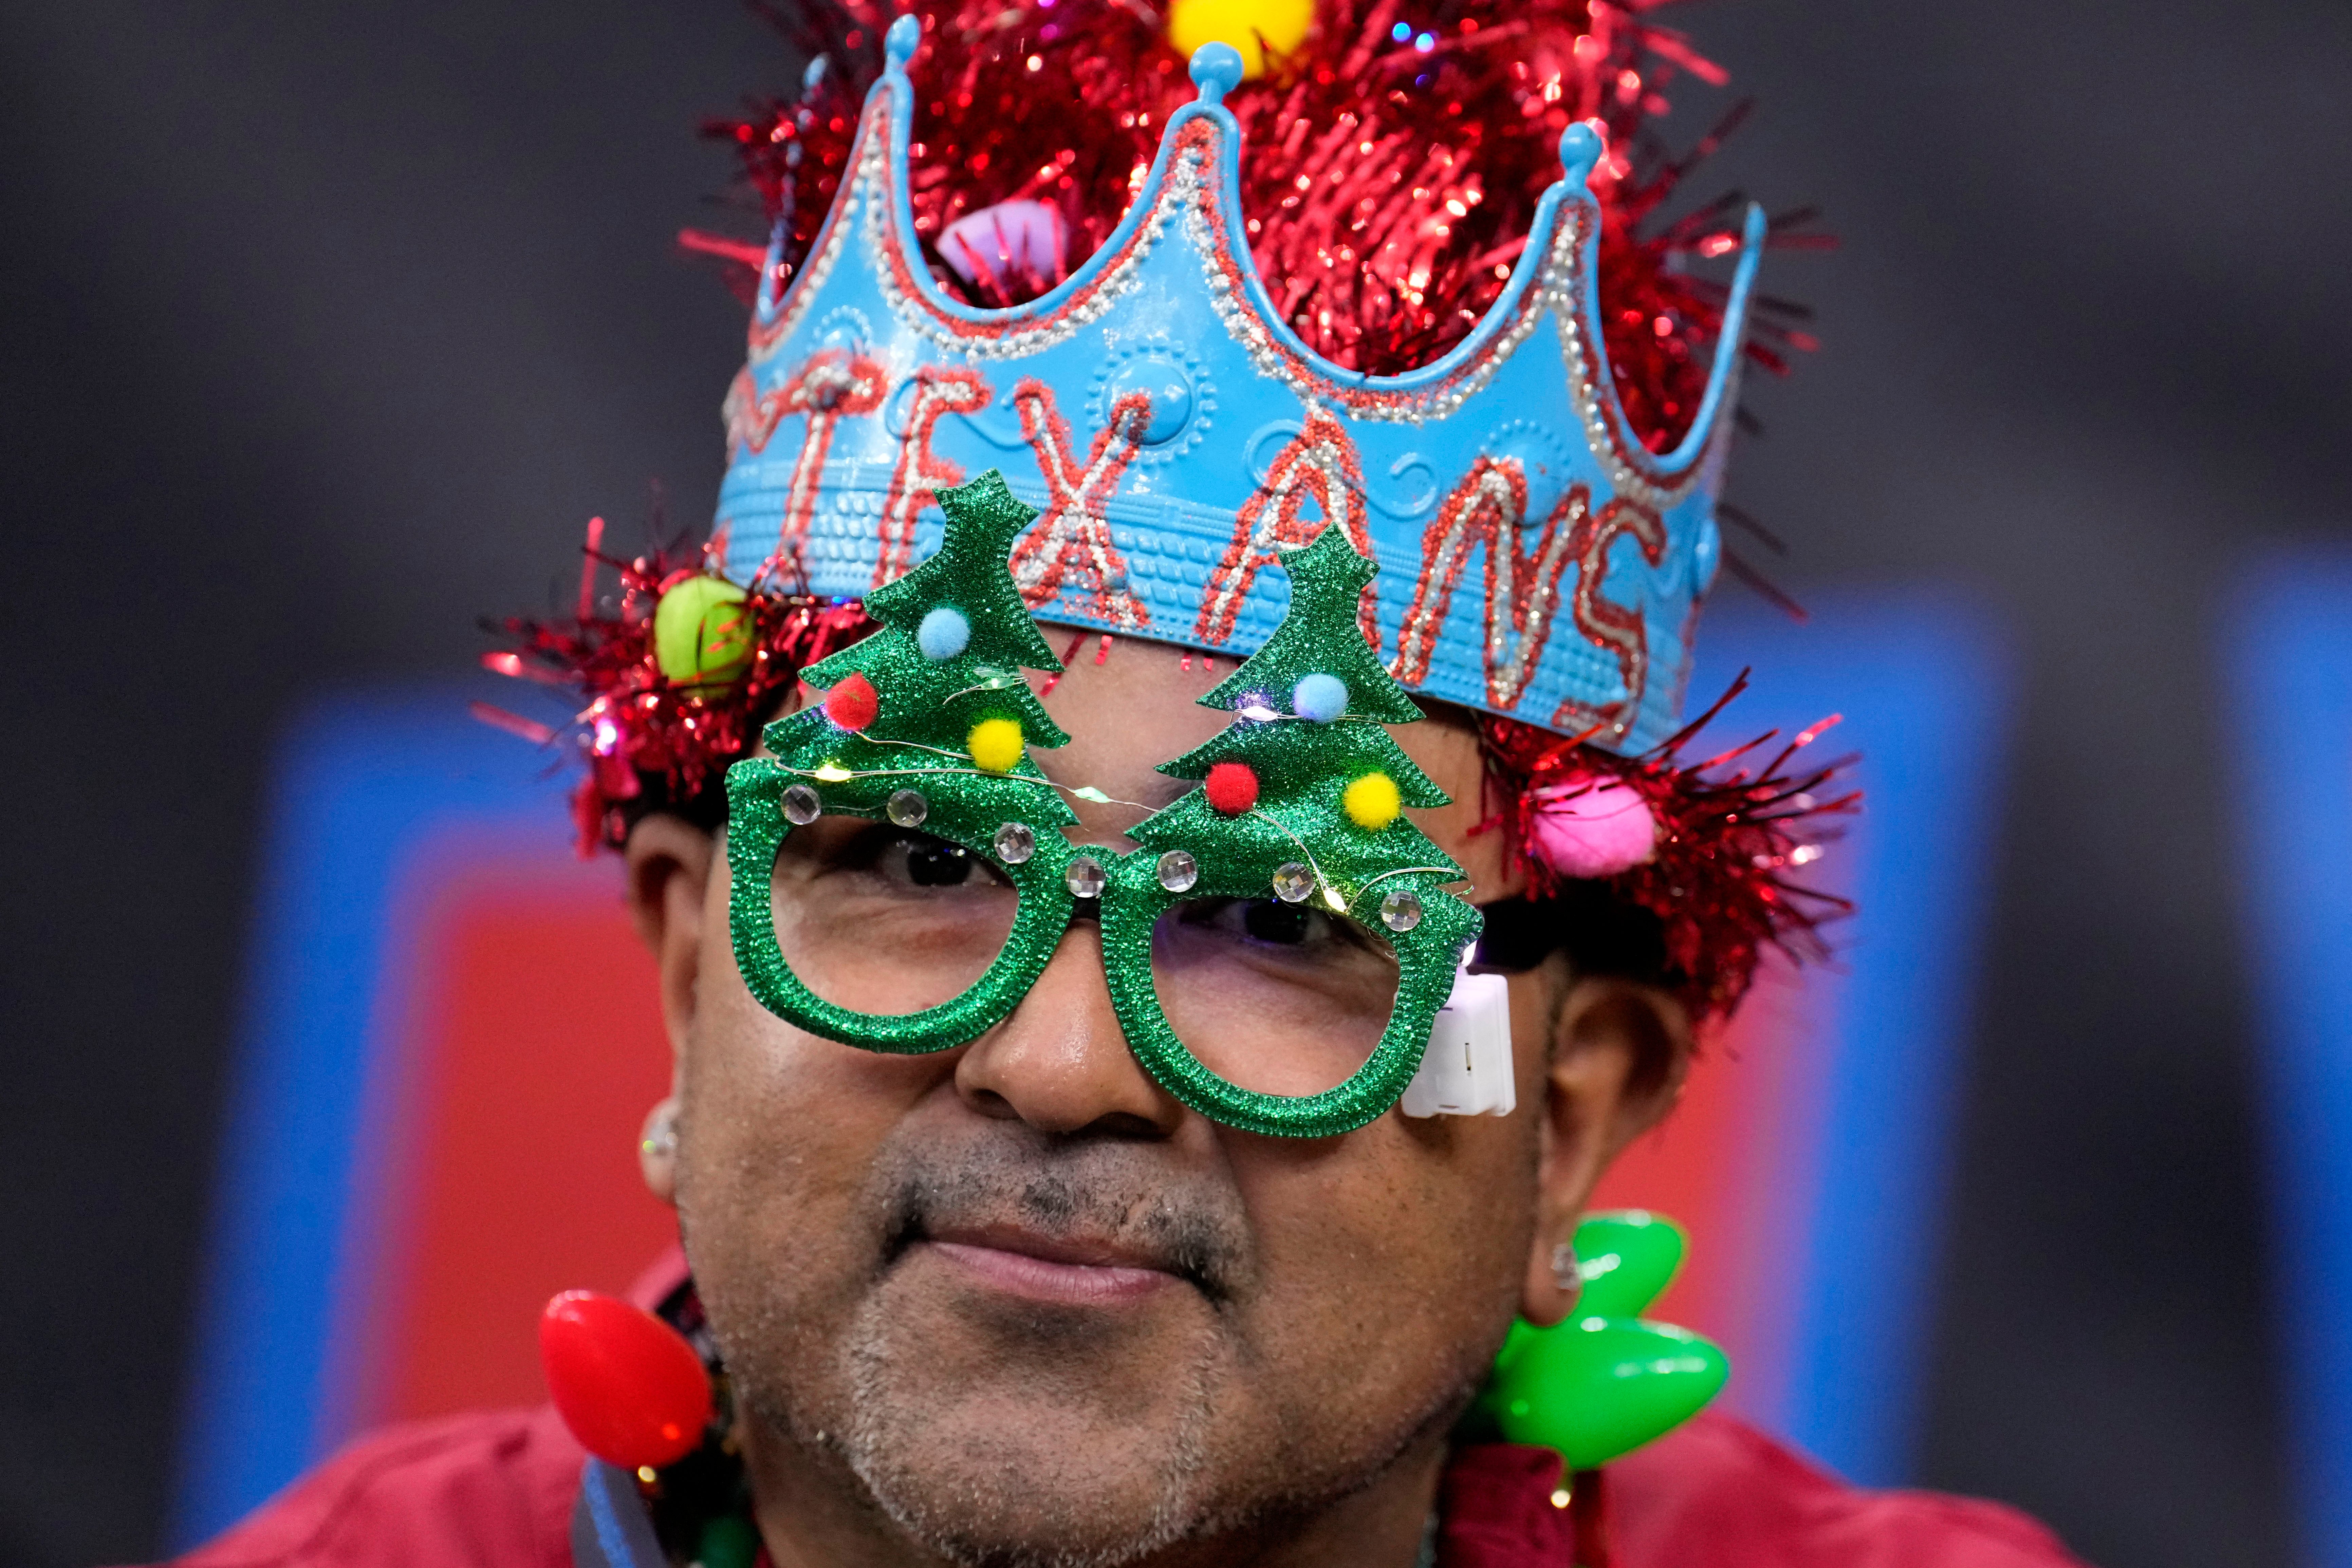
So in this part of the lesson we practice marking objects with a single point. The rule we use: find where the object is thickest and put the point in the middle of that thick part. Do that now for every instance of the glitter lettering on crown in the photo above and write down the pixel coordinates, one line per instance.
(1318, 465)
(1071, 543)
(919, 475)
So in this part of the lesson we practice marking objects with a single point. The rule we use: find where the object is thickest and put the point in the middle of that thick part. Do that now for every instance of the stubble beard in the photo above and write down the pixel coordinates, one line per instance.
(868, 1399)
(961, 1518)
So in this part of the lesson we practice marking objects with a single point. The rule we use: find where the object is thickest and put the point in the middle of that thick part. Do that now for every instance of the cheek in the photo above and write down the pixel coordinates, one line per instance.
(778, 1130)
(1392, 1260)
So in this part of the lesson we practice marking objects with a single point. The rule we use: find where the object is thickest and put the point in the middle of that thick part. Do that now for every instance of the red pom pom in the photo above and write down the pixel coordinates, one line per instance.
(1232, 787)
(852, 705)
(629, 1386)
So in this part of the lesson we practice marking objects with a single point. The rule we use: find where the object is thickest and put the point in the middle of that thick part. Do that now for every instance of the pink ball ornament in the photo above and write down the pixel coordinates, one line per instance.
(1010, 242)
(1591, 828)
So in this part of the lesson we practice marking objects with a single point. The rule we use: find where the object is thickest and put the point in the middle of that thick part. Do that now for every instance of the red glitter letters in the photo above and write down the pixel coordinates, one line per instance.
(1072, 538)
(1318, 464)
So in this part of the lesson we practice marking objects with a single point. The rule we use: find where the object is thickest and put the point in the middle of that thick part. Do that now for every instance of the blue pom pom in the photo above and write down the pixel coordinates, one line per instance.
(944, 633)
(1319, 697)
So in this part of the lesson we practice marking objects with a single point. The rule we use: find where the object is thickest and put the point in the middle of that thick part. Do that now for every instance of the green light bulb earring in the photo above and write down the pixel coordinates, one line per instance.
(1604, 1382)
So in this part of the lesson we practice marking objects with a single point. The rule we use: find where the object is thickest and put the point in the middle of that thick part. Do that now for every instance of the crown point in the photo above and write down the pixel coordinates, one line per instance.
(899, 43)
(1753, 231)
(1217, 69)
(1580, 150)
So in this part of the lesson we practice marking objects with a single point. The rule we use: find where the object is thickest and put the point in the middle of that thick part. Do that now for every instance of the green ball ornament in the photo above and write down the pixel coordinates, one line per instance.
(1593, 1388)
(702, 634)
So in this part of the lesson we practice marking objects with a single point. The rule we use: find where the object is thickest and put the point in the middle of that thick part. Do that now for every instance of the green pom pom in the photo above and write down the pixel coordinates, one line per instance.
(702, 634)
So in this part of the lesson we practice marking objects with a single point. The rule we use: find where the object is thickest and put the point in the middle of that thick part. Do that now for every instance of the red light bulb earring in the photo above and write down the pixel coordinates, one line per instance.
(627, 1384)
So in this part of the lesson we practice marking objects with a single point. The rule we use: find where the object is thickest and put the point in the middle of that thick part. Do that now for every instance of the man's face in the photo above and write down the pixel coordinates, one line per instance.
(1039, 1308)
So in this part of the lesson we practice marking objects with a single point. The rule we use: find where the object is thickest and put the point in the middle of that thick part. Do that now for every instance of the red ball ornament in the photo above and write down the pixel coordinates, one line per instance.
(1232, 787)
(629, 1386)
(853, 704)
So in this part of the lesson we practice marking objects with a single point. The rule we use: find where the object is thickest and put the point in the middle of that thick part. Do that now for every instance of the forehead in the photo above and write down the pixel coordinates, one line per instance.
(1127, 706)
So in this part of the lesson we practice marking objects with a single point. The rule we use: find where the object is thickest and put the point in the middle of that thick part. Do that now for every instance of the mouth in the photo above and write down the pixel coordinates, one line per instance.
(1057, 1271)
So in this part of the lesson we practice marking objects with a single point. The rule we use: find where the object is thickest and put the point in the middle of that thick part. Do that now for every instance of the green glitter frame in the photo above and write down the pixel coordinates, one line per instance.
(1298, 820)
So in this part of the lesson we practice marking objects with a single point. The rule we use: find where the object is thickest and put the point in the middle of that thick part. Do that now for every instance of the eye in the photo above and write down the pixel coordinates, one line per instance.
(918, 859)
(1270, 921)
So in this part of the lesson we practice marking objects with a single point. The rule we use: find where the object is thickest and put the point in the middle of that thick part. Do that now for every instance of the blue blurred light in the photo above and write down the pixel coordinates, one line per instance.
(2287, 643)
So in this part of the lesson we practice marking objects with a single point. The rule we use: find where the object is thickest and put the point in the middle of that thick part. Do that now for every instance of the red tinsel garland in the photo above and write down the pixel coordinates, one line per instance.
(1391, 165)
(1728, 838)
(640, 732)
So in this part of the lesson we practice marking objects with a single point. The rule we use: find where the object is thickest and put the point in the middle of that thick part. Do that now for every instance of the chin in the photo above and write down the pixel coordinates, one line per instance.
(1068, 1445)
(1022, 1505)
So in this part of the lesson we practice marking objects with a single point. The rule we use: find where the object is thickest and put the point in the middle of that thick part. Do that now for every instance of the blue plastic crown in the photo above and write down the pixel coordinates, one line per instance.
(1536, 560)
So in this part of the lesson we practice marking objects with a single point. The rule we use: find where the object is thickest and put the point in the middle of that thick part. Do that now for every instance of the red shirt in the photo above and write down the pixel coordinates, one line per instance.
(497, 1491)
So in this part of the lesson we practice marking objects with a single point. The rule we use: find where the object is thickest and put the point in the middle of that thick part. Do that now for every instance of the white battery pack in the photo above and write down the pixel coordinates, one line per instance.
(1466, 1071)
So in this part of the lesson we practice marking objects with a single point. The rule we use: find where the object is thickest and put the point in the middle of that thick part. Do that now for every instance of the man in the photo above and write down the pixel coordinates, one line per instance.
(1064, 1167)
(1014, 1302)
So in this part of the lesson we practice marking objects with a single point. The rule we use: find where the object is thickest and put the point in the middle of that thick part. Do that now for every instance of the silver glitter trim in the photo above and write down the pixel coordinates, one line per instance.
(987, 341)
(765, 341)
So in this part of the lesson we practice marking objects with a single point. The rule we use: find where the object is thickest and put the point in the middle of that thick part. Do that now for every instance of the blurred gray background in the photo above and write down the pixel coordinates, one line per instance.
(328, 325)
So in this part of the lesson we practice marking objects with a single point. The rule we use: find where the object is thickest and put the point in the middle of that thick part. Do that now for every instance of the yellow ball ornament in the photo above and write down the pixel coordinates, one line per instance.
(995, 744)
(702, 634)
(1372, 802)
(1282, 26)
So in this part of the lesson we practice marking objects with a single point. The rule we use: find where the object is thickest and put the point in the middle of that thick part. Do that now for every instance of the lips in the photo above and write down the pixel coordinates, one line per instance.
(1054, 1270)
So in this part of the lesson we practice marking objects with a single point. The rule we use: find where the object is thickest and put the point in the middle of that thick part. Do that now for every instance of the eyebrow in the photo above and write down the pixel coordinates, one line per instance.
(1165, 791)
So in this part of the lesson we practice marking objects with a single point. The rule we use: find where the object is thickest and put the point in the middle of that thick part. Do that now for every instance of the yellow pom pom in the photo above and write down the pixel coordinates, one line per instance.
(995, 744)
(1282, 24)
(1372, 802)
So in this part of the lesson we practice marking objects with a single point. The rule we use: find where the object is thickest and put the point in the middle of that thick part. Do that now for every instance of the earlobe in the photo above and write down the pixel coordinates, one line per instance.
(1619, 1051)
(658, 1150)
(671, 862)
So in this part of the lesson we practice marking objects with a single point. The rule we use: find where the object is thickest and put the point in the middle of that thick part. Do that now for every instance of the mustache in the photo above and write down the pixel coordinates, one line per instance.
(1092, 1190)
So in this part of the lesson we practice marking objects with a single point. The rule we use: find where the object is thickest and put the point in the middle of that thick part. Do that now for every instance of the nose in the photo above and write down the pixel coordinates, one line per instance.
(1060, 1063)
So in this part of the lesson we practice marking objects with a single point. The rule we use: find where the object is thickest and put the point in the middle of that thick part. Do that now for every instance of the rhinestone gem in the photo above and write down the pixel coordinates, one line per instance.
(1086, 877)
(1401, 910)
(1293, 882)
(801, 805)
(1178, 871)
(1015, 843)
(907, 808)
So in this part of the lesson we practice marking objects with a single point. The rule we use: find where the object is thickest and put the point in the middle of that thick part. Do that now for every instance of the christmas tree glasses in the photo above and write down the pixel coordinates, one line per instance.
(1276, 947)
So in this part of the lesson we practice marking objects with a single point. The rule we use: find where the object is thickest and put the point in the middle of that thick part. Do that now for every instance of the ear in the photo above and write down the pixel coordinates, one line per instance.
(669, 863)
(1619, 1052)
